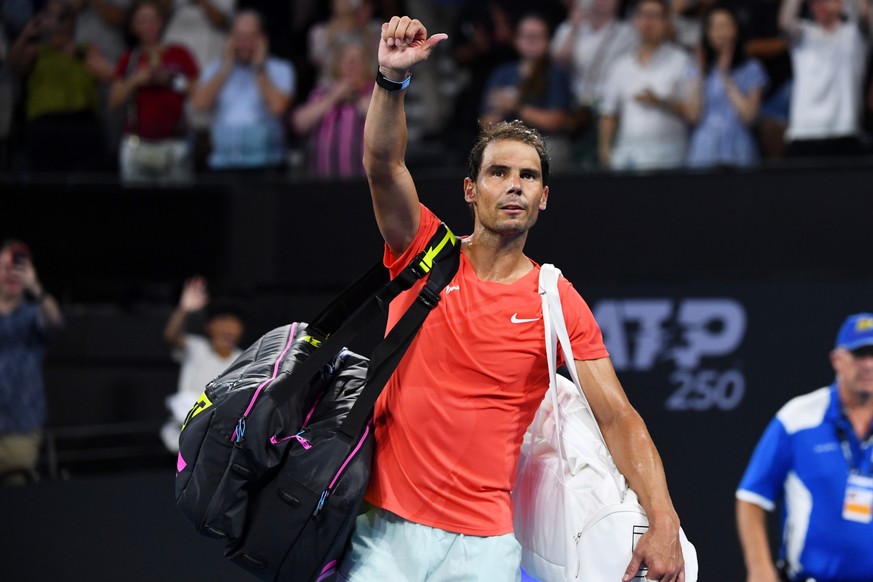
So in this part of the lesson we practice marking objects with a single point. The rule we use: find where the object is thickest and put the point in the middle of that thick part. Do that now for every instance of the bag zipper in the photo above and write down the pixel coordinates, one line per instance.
(240, 429)
(326, 492)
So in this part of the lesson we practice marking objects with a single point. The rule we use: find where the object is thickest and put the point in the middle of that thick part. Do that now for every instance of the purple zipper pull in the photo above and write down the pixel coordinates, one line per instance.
(302, 441)
(306, 444)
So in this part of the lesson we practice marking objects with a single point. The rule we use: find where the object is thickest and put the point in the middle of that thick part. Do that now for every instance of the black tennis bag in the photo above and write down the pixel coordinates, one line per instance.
(274, 457)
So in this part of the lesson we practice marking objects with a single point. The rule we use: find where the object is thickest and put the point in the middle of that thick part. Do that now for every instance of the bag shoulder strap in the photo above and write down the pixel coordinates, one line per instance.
(388, 354)
(556, 333)
(347, 315)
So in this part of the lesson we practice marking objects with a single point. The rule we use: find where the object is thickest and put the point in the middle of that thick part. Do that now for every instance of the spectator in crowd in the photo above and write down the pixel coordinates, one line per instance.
(201, 358)
(767, 44)
(28, 316)
(350, 20)
(200, 25)
(481, 42)
(436, 79)
(276, 23)
(63, 128)
(533, 89)
(248, 92)
(726, 96)
(101, 23)
(334, 115)
(815, 457)
(152, 81)
(645, 99)
(829, 58)
(588, 43)
(687, 17)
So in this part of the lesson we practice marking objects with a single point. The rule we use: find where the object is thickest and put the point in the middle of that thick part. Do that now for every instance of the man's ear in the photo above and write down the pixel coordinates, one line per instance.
(545, 198)
(469, 191)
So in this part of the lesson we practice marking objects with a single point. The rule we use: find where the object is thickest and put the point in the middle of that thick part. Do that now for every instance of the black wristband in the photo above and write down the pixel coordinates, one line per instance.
(390, 85)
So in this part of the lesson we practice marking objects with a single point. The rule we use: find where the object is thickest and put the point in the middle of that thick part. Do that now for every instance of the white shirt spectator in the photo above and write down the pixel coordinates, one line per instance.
(828, 82)
(200, 365)
(595, 51)
(648, 136)
(189, 25)
(92, 29)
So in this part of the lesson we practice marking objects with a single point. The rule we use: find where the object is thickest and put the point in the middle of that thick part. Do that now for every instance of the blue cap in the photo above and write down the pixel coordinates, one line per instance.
(856, 332)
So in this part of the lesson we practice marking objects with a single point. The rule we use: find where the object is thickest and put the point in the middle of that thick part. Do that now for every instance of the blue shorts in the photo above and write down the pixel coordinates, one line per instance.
(385, 547)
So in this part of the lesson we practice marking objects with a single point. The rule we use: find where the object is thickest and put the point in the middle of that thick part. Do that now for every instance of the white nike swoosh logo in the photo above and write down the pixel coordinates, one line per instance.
(515, 319)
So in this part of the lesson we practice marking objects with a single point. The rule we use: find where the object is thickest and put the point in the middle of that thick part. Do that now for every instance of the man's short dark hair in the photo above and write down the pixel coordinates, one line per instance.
(509, 130)
(664, 4)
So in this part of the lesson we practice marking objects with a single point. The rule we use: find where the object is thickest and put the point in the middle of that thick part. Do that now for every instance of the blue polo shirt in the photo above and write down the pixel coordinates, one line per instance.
(802, 461)
(244, 132)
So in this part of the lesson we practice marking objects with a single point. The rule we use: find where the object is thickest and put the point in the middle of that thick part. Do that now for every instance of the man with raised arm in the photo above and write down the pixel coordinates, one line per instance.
(450, 421)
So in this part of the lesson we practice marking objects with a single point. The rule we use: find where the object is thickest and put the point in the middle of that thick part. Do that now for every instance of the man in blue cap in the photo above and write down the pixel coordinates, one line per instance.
(817, 457)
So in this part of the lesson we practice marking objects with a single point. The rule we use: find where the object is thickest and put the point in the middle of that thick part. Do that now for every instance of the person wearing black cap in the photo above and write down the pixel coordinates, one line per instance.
(816, 456)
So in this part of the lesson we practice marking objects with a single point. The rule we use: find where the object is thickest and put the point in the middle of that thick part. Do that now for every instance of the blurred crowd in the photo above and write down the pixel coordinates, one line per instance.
(162, 90)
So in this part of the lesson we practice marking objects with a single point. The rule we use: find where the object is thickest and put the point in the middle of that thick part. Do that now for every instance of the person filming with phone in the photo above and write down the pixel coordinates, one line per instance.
(28, 316)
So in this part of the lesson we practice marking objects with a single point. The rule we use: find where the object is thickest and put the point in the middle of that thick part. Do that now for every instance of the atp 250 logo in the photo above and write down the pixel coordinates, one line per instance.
(641, 334)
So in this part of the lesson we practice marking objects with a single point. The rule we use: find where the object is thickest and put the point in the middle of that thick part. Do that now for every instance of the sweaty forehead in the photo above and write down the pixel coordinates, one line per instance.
(511, 153)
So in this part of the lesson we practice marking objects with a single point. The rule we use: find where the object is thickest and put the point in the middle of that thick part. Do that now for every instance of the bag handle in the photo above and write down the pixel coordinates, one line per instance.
(556, 333)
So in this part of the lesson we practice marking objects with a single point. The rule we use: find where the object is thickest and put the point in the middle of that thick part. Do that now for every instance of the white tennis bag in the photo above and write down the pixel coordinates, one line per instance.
(575, 516)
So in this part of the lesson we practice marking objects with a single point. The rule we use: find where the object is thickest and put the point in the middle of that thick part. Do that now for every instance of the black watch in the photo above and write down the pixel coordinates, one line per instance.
(390, 85)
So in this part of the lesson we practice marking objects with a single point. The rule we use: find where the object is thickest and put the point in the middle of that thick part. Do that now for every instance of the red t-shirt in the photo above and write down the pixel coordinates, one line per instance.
(159, 108)
(450, 421)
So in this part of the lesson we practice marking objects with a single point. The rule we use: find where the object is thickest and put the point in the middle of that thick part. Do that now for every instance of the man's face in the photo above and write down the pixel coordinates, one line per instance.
(826, 11)
(246, 35)
(147, 24)
(11, 276)
(224, 332)
(508, 194)
(532, 38)
(854, 372)
(604, 7)
(650, 21)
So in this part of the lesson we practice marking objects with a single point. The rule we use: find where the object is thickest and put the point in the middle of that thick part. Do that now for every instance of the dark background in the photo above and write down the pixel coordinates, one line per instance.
(792, 246)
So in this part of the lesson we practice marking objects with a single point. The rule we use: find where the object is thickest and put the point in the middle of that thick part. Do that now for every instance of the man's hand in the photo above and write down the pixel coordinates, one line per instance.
(504, 100)
(262, 49)
(29, 278)
(648, 97)
(404, 43)
(660, 550)
(194, 295)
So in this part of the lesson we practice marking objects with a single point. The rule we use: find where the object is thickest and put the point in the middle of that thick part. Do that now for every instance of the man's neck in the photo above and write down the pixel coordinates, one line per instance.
(598, 21)
(859, 411)
(497, 258)
(647, 51)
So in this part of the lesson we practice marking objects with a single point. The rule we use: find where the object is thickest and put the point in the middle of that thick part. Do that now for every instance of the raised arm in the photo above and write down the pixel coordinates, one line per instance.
(404, 43)
(789, 18)
(638, 460)
(194, 298)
